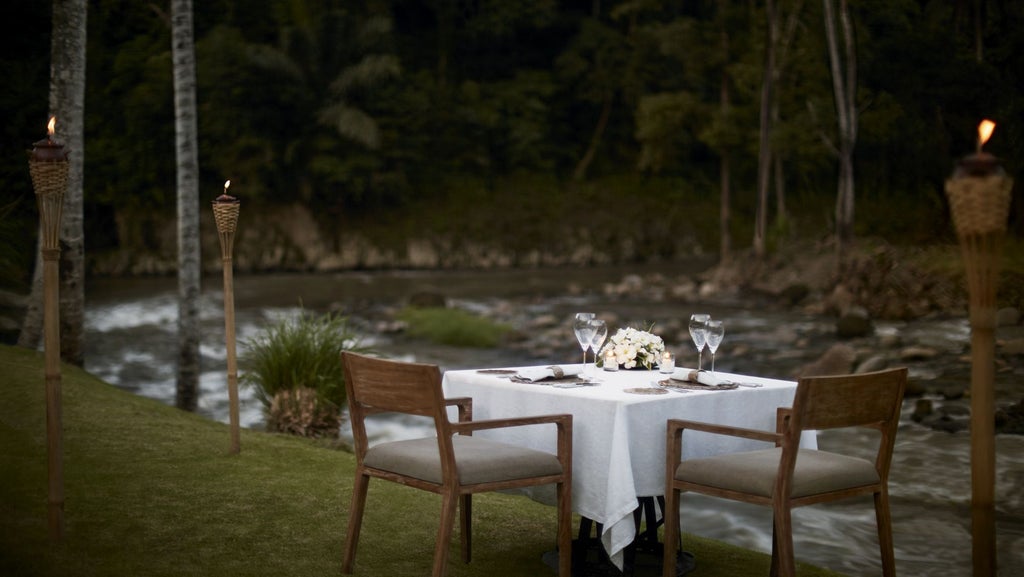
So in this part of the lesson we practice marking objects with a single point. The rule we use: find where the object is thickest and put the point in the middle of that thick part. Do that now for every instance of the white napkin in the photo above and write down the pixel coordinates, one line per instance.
(534, 374)
(700, 377)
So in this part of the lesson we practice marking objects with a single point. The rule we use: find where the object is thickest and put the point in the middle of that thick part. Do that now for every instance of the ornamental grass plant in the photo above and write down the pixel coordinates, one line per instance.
(151, 490)
(295, 368)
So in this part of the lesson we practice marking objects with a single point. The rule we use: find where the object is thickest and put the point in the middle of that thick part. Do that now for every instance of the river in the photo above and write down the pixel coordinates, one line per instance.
(131, 341)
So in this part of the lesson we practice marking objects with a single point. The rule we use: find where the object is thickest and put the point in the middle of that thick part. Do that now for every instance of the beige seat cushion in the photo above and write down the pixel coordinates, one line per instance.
(754, 472)
(478, 460)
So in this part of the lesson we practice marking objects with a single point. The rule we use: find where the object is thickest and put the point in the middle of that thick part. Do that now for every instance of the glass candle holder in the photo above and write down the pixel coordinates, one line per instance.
(667, 363)
(610, 364)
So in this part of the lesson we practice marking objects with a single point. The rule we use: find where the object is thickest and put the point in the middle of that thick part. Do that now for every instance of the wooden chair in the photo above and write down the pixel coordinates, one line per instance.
(454, 464)
(786, 476)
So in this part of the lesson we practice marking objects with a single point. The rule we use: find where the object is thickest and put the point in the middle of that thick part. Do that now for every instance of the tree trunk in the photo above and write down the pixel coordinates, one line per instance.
(185, 128)
(725, 175)
(844, 87)
(67, 104)
(595, 138)
(764, 161)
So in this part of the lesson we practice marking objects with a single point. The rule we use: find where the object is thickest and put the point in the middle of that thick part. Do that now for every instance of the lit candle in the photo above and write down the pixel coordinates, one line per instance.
(667, 363)
(610, 364)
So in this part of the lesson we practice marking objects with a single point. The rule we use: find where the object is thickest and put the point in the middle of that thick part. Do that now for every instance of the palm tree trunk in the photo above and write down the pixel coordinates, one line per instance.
(67, 103)
(185, 127)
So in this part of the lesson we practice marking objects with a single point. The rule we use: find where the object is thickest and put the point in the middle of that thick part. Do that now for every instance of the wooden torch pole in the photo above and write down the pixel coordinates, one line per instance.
(48, 166)
(225, 212)
(979, 198)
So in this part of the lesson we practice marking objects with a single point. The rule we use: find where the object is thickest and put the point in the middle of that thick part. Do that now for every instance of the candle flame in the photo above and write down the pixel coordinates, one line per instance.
(51, 125)
(227, 183)
(985, 131)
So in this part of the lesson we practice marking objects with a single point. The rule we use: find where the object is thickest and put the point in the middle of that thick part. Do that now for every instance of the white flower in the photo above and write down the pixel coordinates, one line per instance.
(632, 347)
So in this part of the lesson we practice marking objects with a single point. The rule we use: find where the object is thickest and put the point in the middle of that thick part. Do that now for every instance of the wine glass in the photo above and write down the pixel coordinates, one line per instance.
(600, 334)
(697, 324)
(714, 331)
(584, 332)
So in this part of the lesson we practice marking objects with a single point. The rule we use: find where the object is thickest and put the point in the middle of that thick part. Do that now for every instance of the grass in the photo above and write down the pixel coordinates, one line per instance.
(152, 491)
(453, 327)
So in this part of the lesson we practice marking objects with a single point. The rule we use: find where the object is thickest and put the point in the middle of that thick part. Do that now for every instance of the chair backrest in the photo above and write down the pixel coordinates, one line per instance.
(868, 399)
(862, 400)
(380, 385)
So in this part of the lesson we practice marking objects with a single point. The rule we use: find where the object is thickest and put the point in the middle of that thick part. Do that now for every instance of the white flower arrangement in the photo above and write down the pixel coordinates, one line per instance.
(633, 348)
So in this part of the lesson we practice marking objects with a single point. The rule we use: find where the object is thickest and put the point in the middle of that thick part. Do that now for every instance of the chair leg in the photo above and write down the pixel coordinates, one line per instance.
(466, 526)
(564, 529)
(449, 501)
(783, 540)
(355, 520)
(884, 520)
(774, 572)
(671, 517)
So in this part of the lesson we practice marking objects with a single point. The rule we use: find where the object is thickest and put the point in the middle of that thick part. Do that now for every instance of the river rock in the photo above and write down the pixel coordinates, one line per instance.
(428, 300)
(794, 294)
(1011, 419)
(923, 408)
(1007, 317)
(854, 323)
(837, 360)
(918, 353)
(872, 364)
(1013, 347)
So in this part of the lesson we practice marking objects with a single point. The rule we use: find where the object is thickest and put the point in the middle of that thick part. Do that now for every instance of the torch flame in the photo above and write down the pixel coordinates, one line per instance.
(227, 183)
(50, 126)
(985, 132)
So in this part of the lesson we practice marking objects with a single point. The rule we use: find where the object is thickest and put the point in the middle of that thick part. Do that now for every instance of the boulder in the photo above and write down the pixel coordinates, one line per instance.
(837, 360)
(854, 323)
(1007, 317)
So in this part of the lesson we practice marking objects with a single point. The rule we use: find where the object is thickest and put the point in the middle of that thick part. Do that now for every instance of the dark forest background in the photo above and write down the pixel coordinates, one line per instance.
(417, 115)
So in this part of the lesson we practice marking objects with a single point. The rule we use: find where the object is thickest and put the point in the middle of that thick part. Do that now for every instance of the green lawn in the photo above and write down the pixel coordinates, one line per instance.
(152, 491)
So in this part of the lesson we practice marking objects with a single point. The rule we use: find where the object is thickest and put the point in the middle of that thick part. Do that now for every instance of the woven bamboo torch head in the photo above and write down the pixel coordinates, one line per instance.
(979, 191)
(225, 211)
(48, 166)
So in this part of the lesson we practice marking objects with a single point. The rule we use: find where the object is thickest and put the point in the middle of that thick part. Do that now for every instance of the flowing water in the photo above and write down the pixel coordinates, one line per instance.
(131, 342)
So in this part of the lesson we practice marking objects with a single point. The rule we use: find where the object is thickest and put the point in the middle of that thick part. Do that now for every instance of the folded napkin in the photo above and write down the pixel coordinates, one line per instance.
(534, 374)
(700, 377)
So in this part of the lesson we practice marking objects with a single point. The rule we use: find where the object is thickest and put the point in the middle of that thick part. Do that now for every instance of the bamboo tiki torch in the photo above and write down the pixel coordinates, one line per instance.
(48, 166)
(979, 198)
(225, 212)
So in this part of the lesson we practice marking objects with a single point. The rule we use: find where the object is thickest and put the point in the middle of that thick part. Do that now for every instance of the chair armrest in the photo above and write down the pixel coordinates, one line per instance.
(676, 426)
(559, 420)
(782, 417)
(465, 405)
(562, 422)
(674, 437)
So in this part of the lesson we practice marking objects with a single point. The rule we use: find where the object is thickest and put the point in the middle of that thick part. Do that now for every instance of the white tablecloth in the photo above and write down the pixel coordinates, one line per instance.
(618, 436)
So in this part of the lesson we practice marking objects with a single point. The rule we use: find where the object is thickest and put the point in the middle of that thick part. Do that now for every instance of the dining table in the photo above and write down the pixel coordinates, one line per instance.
(619, 424)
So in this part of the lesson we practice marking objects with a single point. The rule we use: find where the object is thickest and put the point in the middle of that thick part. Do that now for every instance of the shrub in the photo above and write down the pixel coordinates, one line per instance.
(295, 354)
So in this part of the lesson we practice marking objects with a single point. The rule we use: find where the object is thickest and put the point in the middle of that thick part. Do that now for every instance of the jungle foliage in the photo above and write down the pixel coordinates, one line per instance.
(355, 107)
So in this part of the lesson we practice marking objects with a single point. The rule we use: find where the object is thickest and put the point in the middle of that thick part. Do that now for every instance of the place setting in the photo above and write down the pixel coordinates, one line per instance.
(705, 333)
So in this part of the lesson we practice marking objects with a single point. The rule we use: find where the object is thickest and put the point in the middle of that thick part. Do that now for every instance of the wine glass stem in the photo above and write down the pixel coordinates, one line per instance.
(700, 358)
(712, 362)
